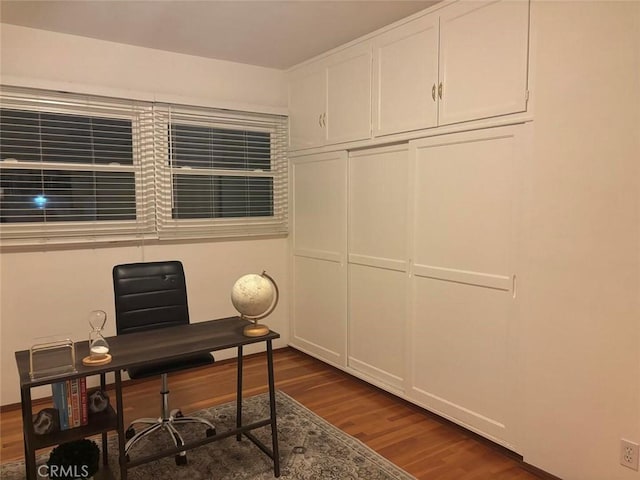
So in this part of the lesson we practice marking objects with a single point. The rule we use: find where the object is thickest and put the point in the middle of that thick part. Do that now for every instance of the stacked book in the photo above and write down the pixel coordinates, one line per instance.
(70, 399)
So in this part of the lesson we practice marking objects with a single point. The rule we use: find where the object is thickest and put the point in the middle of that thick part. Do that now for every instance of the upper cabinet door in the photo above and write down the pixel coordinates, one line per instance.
(330, 100)
(307, 107)
(483, 59)
(405, 75)
(349, 95)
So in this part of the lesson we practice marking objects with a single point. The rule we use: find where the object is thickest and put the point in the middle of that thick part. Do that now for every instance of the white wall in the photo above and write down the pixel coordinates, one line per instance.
(580, 289)
(45, 59)
(51, 291)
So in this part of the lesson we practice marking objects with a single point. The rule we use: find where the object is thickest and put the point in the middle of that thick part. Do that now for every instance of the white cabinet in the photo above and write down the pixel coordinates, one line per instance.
(405, 77)
(467, 61)
(330, 100)
(319, 288)
(307, 107)
(378, 264)
(462, 325)
(349, 95)
(483, 59)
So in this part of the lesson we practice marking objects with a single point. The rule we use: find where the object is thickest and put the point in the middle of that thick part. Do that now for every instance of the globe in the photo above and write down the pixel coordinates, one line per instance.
(255, 296)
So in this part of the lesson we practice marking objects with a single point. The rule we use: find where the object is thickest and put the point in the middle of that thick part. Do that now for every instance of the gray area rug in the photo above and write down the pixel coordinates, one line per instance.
(310, 448)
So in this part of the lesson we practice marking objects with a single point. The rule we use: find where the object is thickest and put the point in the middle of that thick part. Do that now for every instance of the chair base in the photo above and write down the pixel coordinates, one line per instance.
(168, 425)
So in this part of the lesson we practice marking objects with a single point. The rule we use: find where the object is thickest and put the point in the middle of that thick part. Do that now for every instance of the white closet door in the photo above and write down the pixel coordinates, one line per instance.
(378, 264)
(319, 211)
(462, 324)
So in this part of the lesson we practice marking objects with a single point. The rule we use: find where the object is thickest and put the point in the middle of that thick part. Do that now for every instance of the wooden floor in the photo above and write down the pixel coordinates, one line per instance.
(415, 440)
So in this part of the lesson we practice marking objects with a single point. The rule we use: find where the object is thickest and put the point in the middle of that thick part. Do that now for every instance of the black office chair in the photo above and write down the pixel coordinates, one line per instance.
(148, 296)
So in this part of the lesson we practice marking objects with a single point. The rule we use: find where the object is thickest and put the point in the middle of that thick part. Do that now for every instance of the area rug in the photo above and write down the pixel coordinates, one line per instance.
(310, 448)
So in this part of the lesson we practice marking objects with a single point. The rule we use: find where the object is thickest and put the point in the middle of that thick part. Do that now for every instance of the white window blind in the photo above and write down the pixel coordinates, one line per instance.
(220, 173)
(74, 168)
(80, 168)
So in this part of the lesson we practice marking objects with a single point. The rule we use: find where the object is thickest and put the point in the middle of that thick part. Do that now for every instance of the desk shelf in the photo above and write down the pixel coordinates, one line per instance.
(98, 423)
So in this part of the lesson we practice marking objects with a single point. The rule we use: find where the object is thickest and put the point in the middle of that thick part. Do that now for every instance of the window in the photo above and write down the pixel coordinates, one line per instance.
(226, 173)
(74, 168)
(54, 180)
(217, 156)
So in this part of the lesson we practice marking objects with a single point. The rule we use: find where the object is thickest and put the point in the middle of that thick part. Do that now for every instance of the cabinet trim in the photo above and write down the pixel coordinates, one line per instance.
(499, 282)
(335, 257)
(378, 150)
(385, 263)
(417, 135)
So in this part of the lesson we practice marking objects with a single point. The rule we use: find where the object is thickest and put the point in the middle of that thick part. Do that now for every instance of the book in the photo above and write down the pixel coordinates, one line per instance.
(84, 406)
(69, 404)
(58, 391)
(75, 402)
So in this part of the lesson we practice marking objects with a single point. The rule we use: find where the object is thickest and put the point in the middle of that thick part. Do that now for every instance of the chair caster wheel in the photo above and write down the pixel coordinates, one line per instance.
(176, 413)
(211, 432)
(129, 433)
(181, 460)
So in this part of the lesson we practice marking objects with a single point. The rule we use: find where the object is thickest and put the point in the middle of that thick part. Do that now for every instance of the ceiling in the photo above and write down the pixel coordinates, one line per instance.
(276, 34)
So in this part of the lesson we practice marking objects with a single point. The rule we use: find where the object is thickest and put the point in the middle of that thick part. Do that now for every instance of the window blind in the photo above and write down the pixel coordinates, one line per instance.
(78, 168)
(74, 167)
(220, 173)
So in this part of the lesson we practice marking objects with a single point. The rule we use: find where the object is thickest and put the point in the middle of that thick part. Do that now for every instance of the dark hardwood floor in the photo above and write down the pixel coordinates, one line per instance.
(421, 443)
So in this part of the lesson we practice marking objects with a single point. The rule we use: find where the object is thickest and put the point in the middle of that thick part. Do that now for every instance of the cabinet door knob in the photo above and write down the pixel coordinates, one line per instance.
(440, 90)
(433, 92)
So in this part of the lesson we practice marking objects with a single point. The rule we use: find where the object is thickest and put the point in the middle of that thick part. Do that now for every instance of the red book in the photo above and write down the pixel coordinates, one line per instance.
(84, 407)
(75, 401)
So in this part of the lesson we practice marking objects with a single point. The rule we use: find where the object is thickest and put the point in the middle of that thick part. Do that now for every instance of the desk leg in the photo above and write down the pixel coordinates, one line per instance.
(105, 447)
(239, 394)
(272, 408)
(122, 461)
(27, 427)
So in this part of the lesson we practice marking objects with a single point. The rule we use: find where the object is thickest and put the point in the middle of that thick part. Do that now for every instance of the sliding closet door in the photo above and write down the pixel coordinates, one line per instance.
(319, 213)
(462, 325)
(378, 264)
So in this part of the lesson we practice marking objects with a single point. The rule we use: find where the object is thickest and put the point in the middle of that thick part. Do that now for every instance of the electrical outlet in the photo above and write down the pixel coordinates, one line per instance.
(629, 454)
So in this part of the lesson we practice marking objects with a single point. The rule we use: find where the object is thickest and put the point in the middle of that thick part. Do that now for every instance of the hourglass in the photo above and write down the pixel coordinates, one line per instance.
(98, 345)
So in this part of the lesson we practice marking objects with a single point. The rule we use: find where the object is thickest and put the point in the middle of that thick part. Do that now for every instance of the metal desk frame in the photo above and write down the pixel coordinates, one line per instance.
(137, 349)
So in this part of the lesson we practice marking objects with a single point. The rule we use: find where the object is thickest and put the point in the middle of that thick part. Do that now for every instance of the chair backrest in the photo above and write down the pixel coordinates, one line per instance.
(149, 295)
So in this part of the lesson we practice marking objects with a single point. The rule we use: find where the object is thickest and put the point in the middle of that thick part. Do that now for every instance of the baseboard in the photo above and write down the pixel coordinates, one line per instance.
(539, 472)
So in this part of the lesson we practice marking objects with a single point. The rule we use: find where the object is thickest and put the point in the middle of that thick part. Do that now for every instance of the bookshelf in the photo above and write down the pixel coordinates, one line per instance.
(97, 423)
(102, 422)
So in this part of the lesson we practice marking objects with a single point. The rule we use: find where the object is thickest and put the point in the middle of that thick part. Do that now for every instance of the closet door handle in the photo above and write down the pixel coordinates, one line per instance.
(440, 91)
(433, 92)
(320, 119)
(324, 119)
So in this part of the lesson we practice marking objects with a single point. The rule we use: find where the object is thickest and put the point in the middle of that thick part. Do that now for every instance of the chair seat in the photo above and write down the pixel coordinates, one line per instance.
(156, 369)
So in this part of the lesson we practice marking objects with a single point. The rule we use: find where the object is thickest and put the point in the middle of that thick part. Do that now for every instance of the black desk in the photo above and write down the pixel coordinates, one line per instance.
(135, 349)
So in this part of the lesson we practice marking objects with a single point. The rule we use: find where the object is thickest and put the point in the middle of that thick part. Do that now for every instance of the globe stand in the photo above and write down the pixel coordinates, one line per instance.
(255, 330)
